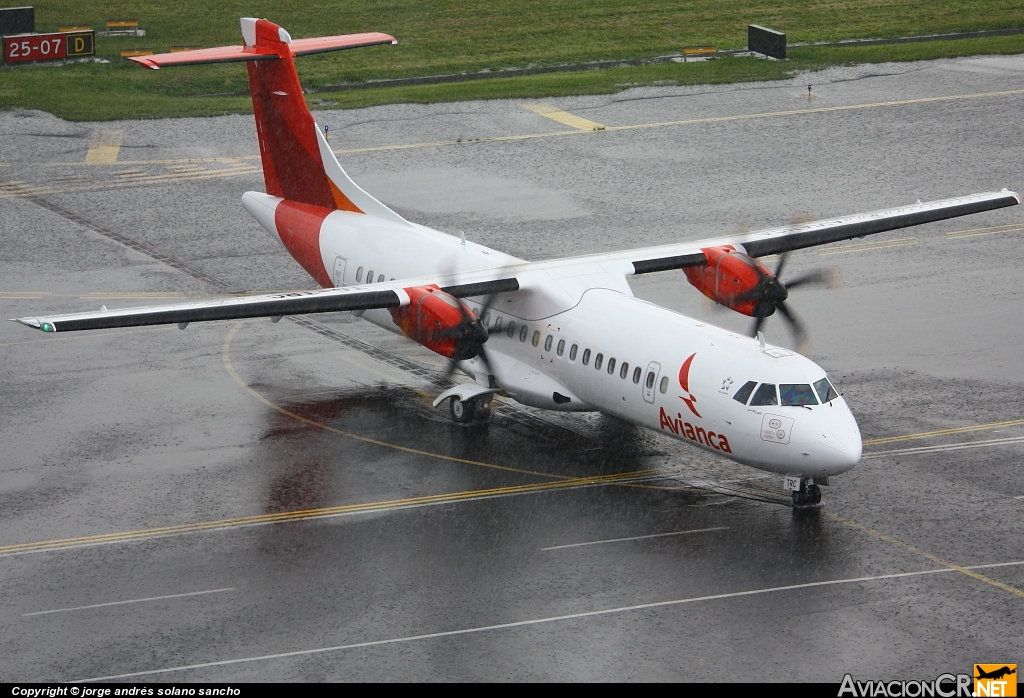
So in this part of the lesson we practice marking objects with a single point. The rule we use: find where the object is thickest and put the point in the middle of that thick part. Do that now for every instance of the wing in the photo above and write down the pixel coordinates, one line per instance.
(381, 295)
(799, 236)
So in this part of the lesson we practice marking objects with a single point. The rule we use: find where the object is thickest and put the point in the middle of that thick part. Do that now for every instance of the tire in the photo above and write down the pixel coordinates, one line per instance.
(462, 410)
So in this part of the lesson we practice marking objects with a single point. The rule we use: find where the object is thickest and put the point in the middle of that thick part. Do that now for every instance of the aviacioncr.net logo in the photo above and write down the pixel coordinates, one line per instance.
(945, 686)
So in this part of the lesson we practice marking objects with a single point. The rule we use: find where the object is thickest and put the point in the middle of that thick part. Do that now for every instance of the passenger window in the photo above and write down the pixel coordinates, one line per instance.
(796, 394)
(380, 278)
(369, 277)
(497, 324)
(511, 330)
(359, 275)
(560, 349)
(611, 366)
(598, 360)
(572, 351)
(624, 370)
(522, 333)
(664, 384)
(486, 320)
(825, 391)
(547, 343)
(650, 380)
(743, 394)
(637, 372)
(765, 395)
(586, 357)
(536, 338)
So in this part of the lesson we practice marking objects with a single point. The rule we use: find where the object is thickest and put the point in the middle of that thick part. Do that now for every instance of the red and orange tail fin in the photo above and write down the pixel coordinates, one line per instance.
(297, 163)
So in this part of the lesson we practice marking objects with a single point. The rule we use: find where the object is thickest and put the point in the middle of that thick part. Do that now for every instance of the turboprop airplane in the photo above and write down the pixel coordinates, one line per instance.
(563, 334)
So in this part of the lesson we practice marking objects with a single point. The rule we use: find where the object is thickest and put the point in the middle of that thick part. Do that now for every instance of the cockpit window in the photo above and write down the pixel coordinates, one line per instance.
(765, 395)
(743, 394)
(825, 391)
(796, 394)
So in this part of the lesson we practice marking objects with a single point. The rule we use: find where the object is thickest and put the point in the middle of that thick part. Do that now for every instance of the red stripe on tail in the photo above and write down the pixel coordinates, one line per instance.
(292, 166)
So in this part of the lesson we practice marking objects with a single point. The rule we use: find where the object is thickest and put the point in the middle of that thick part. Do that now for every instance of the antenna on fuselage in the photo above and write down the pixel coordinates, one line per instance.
(760, 338)
(462, 236)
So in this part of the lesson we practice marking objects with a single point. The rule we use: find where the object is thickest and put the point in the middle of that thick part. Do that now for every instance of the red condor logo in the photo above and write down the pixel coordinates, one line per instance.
(677, 426)
(684, 383)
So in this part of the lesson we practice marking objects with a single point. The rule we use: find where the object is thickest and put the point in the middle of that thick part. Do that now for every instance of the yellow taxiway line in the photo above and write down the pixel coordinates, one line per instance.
(576, 131)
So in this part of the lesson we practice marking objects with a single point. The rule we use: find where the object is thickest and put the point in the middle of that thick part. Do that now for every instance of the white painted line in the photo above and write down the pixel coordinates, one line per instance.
(946, 447)
(1019, 496)
(619, 540)
(537, 621)
(119, 603)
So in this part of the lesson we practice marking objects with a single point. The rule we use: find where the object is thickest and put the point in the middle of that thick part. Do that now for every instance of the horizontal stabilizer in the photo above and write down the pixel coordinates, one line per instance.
(231, 54)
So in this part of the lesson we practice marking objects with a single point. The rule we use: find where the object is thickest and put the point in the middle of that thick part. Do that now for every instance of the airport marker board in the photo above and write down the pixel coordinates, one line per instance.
(48, 47)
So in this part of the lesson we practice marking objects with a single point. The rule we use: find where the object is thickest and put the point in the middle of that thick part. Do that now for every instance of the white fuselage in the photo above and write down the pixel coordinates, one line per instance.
(583, 325)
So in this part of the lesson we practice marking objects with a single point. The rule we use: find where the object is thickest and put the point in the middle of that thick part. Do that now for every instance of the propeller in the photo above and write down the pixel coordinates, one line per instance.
(771, 294)
(470, 335)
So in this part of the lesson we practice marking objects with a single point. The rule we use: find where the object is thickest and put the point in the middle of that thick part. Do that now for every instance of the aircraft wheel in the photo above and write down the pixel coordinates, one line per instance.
(482, 408)
(462, 410)
(806, 496)
(814, 494)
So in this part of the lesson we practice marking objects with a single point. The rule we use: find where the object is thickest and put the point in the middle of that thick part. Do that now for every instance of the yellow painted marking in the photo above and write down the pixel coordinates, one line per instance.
(991, 230)
(943, 432)
(226, 359)
(104, 147)
(928, 556)
(576, 131)
(868, 246)
(564, 117)
(305, 514)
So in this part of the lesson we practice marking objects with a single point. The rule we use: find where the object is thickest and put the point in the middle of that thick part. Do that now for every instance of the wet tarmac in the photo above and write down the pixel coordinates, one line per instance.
(257, 501)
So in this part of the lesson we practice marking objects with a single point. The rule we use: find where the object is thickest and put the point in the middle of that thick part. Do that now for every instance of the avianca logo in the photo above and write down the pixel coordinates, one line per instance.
(684, 383)
(677, 426)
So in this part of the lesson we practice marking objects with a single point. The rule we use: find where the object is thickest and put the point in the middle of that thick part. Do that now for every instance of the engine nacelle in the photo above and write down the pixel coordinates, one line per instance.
(735, 280)
(440, 322)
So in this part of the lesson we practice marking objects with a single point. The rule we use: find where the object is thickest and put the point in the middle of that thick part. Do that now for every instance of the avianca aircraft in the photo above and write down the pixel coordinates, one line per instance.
(563, 334)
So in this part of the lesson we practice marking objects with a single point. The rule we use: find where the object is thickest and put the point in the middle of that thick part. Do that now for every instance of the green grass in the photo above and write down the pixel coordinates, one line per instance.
(443, 36)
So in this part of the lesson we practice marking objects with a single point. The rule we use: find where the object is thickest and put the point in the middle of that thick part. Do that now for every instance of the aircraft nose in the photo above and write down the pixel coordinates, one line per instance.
(838, 449)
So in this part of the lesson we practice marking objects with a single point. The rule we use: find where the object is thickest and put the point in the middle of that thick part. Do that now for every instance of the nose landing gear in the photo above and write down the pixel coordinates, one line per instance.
(808, 494)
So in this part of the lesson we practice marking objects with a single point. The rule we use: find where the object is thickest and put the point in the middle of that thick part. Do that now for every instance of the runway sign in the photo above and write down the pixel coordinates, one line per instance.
(48, 47)
(766, 41)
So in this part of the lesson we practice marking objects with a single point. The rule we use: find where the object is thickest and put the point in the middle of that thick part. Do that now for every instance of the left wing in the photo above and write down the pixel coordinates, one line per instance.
(382, 295)
(799, 236)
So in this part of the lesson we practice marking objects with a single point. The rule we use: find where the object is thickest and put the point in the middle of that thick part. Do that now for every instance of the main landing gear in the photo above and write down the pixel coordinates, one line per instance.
(474, 409)
(808, 494)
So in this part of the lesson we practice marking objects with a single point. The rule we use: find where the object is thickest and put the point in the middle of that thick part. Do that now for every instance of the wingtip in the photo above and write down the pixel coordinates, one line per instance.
(35, 323)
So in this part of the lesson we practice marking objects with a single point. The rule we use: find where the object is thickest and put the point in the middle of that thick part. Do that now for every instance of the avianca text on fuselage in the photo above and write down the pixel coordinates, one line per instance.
(678, 427)
(697, 434)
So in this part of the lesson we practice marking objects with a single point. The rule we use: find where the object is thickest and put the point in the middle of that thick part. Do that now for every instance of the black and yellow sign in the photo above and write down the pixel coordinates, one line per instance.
(995, 680)
(80, 43)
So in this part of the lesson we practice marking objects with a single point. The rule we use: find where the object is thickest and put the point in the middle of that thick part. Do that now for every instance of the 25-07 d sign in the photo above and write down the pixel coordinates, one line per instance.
(48, 47)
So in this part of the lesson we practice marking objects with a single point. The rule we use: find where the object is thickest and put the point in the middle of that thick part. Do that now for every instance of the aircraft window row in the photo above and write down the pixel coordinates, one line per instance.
(788, 395)
(599, 359)
(369, 276)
